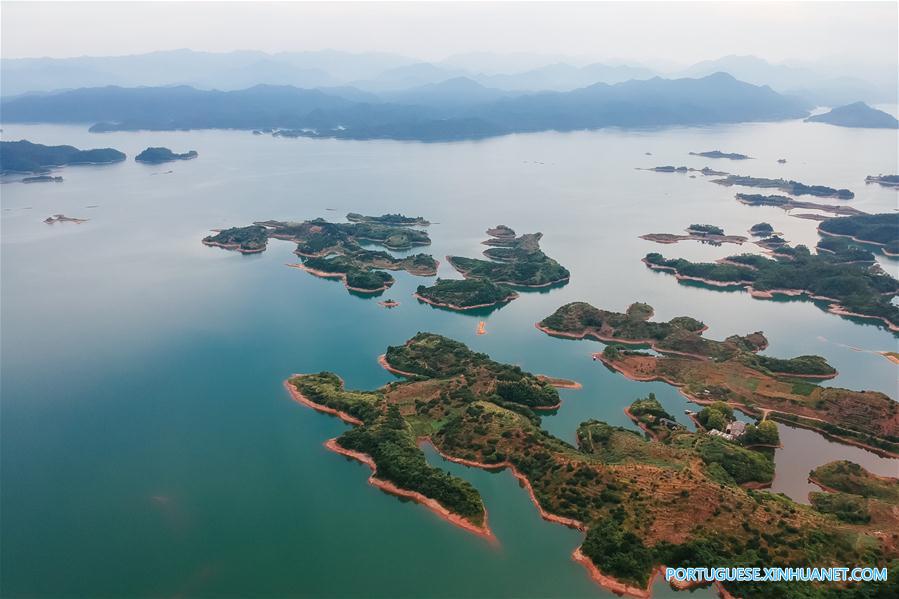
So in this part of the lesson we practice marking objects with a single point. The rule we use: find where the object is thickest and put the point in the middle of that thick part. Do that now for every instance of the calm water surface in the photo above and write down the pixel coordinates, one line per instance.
(148, 447)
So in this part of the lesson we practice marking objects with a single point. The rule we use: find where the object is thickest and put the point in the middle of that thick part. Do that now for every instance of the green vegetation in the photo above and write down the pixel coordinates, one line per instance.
(731, 371)
(741, 464)
(394, 220)
(848, 508)
(158, 155)
(643, 503)
(857, 288)
(788, 203)
(392, 445)
(848, 477)
(885, 180)
(763, 433)
(334, 248)
(516, 261)
(465, 294)
(26, 157)
(247, 240)
(791, 187)
(761, 229)
(841, 249)
(705, 229)
(879, 229)
(715, 416)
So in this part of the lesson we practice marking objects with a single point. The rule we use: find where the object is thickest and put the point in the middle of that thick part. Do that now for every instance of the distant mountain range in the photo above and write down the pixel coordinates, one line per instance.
(385, 75)
(455, 109)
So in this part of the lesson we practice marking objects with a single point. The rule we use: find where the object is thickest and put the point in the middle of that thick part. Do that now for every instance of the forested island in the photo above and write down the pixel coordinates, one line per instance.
(333, 250)
(710, 234)
(26, 157)
(850, 289)
(160, 155)
(852, 494)
(761, 229)
(720, 154)
(642, 503)
(885, 180)
(732, 371)
(858, 115)
(514, 260)
(791, 187)
(876, 229)
(788, 203)
(394, 220)
(465, 294)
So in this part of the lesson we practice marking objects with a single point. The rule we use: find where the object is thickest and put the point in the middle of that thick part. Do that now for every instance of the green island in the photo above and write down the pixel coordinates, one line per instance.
(720, 154)
(885, 180)
(642, 503)
(791, 187)
(710, 234)
(465, 294)
(395, 220)
(761, 230)
(876, 229)
(333, 250)
(732, 371)
(850, 289)
(26, 157)
(787, 203)
(857, 114)
(854, 495)
(160, 155)
(517, 261)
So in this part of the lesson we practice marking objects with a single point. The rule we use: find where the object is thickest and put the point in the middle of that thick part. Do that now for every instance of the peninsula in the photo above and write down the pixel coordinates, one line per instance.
(160, 155)
(856, 115)
(850, 289)
(791, 187)
(642, 504)
(26, 157)
(732, 371)
(787, 203)
(517, 261)
(876, 229)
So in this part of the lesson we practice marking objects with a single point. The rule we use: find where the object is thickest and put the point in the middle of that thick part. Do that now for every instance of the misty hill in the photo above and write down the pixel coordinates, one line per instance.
(460, 91)
(26, 157)
(858, 114)
(656, 102)
(564, 77)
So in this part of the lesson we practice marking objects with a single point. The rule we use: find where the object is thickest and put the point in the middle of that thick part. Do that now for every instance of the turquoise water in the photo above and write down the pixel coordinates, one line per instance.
(148, 447)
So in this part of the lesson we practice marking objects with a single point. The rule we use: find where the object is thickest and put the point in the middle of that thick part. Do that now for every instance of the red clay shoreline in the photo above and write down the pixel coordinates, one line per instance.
(432, 504)
(302, 399)
(382, 360)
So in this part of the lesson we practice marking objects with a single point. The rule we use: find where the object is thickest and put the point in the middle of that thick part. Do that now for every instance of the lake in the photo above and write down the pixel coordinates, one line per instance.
(148, 447)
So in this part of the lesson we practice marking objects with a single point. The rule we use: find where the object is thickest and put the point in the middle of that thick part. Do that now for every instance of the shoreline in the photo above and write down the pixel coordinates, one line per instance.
(342, 276)
(233, 247)
(834, 308)
(768, 412)
(382, 360)
(432, 504)
(302, 399)
(458, 308)
(560, 383)
(465, 275)
(596, 335)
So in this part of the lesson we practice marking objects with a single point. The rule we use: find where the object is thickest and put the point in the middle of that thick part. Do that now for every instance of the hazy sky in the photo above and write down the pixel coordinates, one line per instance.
(677, 32)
